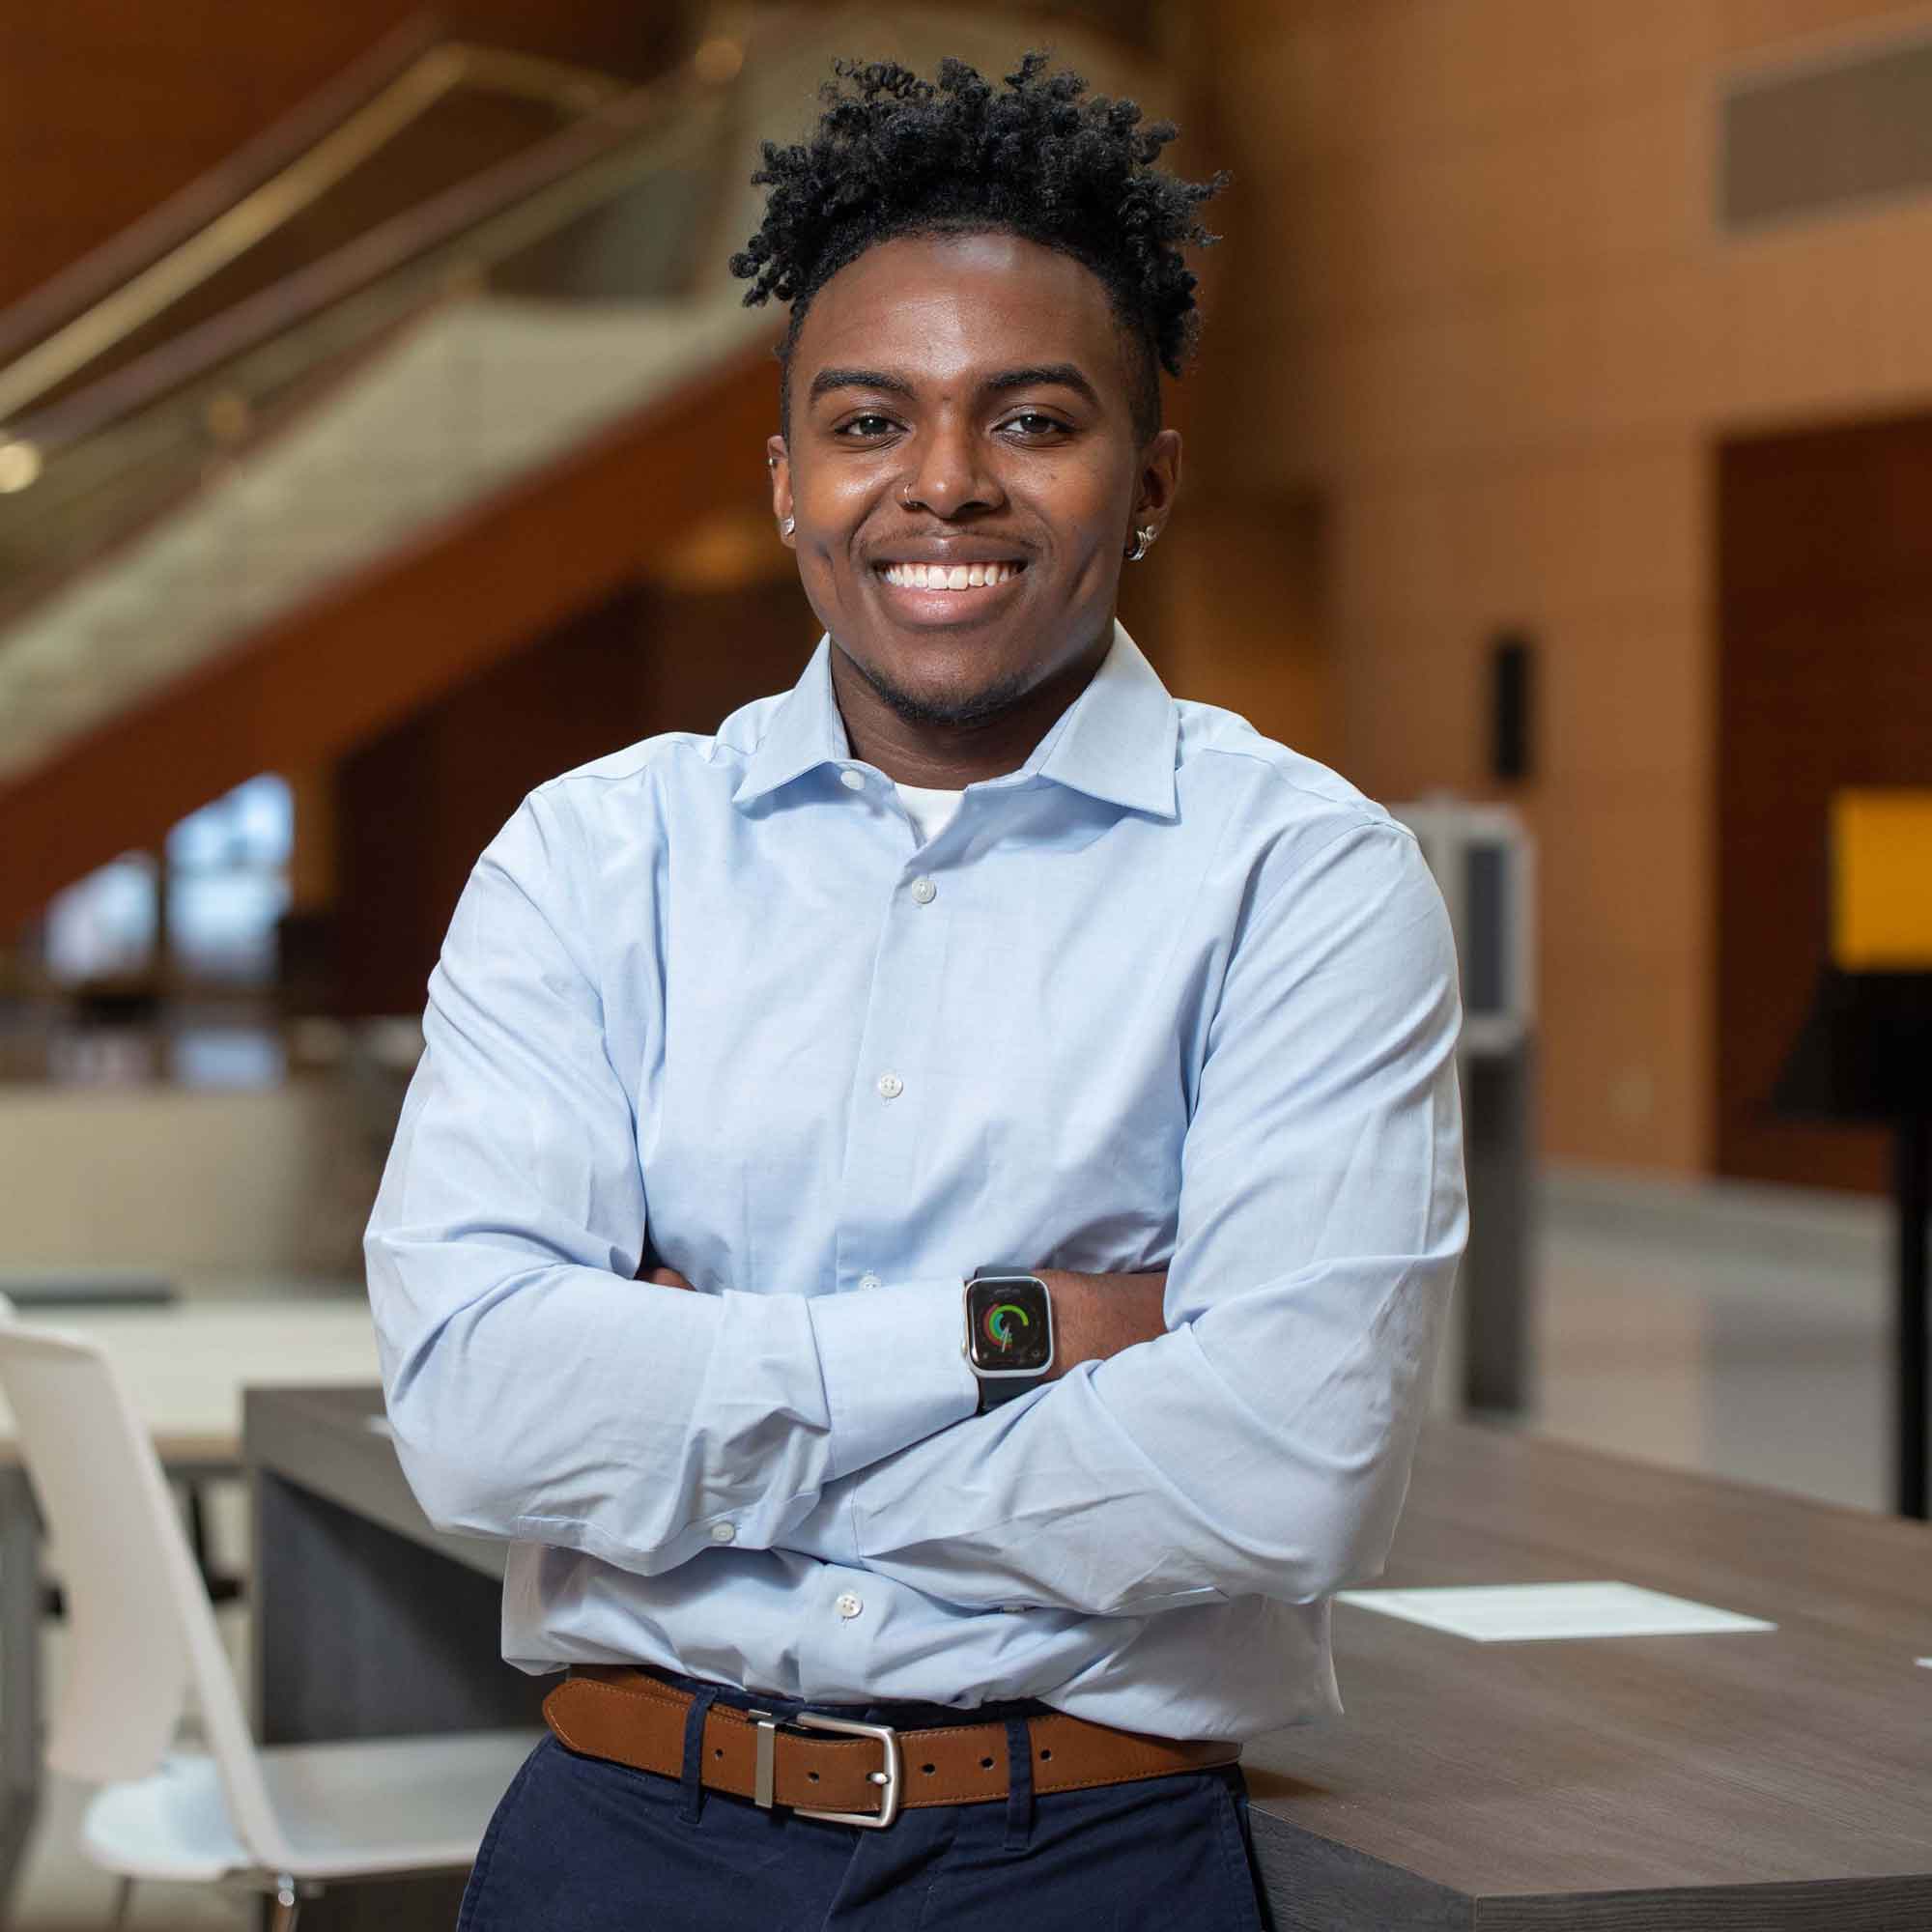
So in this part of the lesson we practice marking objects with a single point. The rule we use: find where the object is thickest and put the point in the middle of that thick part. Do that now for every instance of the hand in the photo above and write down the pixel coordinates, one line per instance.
(1095, 1316)
(663, 1277)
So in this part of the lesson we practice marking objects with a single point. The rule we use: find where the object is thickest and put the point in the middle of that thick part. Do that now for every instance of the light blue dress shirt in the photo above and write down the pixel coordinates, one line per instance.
(1168, 995)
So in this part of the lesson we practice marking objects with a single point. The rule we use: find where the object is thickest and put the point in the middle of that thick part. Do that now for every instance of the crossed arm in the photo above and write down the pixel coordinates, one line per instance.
(1094, 1316)
(1257, 1442)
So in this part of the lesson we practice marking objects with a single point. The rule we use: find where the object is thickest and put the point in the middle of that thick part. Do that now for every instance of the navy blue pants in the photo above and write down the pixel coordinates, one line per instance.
(579, 1844)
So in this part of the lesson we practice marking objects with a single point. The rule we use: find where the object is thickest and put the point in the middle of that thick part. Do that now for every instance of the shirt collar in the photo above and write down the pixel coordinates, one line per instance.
(1116, 740)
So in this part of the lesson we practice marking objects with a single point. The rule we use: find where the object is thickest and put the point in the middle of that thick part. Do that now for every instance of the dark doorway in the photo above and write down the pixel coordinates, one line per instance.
(1824, 680)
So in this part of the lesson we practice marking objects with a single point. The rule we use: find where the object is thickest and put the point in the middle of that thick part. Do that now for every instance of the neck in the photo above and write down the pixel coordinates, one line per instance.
(949, 756)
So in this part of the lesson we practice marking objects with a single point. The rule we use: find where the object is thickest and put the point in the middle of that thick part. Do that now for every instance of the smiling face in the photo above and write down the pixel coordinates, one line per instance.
(964, 474)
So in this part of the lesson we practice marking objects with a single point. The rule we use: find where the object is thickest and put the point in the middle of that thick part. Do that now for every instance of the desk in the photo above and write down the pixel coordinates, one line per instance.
(185, 1366)
(1767, 1781)
(1760, 1783)
(367, 1622)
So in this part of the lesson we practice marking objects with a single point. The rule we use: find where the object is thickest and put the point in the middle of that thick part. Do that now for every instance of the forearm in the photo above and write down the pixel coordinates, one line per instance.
(661, 1424)
(1170, 1473)
(1095, 1316)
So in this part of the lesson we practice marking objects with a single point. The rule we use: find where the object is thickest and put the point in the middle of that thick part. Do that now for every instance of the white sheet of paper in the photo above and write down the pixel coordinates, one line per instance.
(1523, 1612)
(1924, 1663)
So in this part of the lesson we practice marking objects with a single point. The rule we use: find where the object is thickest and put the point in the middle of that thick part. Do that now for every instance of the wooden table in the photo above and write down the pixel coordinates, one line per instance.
(1763, 1780)
(1767, 1780)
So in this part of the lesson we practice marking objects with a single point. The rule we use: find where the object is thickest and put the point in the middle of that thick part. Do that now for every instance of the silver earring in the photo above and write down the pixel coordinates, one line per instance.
(785, 529)
(1142, 543)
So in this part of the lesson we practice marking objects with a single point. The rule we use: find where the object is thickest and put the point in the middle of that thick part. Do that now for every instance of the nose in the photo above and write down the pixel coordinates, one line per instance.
(949, 473)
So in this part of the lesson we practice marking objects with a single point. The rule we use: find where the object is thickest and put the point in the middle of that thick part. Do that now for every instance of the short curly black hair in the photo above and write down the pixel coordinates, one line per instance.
(899, 155)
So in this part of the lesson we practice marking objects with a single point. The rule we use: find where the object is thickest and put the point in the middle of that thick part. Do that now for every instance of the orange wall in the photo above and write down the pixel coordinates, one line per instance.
(1472, 303)
(108, 107)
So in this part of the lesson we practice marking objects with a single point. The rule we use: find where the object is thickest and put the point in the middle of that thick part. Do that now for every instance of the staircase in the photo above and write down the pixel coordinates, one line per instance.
(257, 542)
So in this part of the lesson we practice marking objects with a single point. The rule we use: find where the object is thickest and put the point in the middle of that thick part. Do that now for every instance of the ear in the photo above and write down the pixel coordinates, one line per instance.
(1159, 478)
(780, 463)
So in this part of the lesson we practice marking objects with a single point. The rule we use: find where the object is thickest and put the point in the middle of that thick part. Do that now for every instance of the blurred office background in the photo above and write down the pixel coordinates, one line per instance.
(380, 434)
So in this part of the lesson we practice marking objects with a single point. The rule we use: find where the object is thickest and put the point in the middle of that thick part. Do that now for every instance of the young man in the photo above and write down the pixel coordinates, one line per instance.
(973, 954)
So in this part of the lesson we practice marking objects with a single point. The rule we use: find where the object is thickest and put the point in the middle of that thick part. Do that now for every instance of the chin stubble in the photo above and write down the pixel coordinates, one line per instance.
(975, 709)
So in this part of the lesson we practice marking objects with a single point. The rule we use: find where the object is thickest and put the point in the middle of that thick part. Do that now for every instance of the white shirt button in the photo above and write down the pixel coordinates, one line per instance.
(891, 1085)
(852, 781)
(849, 1606)
(924, 890)
(724, 1532)
(870, 1281)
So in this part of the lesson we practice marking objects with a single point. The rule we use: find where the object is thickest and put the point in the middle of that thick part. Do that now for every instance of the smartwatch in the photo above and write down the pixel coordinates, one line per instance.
(1008, 1332)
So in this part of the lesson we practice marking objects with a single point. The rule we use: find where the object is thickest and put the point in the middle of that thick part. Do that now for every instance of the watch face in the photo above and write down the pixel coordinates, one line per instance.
(1009, 1325)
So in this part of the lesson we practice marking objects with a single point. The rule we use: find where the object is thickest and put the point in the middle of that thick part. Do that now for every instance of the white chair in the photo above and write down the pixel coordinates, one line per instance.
(284, 1819)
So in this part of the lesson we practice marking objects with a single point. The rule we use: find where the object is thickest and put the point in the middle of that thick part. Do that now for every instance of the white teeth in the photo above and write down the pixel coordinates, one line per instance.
(954, 577)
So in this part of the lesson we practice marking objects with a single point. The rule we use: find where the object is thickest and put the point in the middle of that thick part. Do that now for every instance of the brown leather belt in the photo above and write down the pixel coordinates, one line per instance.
(856, 1774)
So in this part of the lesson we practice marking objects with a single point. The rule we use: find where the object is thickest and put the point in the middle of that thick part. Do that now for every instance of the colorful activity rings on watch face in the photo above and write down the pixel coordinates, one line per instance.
(1011, 1327)
(997, 1323)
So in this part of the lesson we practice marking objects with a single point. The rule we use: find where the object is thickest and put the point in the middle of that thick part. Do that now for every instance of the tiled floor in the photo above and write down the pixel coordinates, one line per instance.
(1741, 1331)
(1736, 1330)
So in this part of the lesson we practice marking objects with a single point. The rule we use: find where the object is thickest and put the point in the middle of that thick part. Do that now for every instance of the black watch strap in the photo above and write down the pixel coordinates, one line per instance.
(996, 1389)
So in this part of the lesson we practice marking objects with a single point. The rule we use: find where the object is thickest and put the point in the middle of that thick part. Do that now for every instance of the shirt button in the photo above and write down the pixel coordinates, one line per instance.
(924, 890)
(849, 1606)
(724, 1532)
(852, 781)
(870, 1281)
(891, 1085)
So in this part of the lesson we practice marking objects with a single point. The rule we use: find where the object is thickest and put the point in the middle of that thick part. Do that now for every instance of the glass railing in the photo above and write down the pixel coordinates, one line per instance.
(196, 490)
(411, 117)
(86, 463)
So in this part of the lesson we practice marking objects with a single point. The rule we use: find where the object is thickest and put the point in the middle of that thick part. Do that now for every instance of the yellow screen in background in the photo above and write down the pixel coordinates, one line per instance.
(1882, 881)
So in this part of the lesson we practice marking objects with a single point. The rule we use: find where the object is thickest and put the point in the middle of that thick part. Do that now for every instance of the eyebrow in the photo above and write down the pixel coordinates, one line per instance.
(828, 379)
(1062, 375)
(1044, 375)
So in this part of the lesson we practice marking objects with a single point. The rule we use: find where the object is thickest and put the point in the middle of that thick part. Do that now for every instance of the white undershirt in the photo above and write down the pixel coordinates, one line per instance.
(931, 810)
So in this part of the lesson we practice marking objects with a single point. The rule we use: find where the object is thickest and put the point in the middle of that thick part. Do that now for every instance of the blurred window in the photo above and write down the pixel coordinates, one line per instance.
(228, 882)
(228, 885)
(103, 927)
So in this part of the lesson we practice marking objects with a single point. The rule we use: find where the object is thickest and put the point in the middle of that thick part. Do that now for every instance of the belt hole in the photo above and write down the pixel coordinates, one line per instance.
(1046, 1753)
(813, 1776)
(718, 1751)
(985, 1763)
(928, 1769)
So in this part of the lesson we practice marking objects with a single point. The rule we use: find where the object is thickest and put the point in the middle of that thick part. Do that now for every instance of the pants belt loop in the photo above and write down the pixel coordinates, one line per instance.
(692, 1779)
(1019, 1786)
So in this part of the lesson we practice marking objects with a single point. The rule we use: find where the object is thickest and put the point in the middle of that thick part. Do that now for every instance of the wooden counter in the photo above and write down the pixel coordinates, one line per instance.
(1762, 1780)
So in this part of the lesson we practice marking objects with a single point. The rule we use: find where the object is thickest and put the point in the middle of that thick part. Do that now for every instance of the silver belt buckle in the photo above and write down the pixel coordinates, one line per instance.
(890, 1778)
